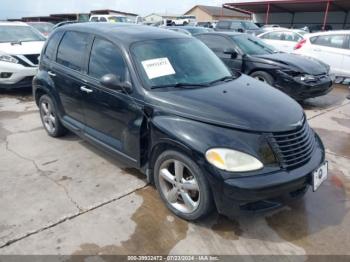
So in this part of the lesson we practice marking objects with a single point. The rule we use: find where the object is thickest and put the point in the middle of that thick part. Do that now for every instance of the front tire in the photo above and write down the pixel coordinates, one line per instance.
(182, 186)
(263, 77)
(49, 117)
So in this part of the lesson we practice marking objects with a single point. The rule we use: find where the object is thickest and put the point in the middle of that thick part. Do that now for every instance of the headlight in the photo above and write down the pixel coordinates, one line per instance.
(232, 160)
(306, 78)
(8, 59)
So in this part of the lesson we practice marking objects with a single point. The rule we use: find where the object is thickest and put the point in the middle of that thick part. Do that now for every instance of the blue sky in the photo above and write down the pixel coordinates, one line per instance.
(20, 8)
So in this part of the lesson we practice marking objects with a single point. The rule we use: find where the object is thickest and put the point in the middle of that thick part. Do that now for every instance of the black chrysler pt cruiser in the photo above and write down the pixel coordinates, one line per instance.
(164, 103)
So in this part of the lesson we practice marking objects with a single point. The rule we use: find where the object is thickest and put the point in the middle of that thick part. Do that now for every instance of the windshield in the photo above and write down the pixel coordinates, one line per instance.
(251, 45)
(19, 34)
(250, 26)
(117, 19)
(43, 28)
(171, 62)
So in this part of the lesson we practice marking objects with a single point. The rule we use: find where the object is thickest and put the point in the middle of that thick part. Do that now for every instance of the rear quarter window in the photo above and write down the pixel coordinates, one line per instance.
(50, 51)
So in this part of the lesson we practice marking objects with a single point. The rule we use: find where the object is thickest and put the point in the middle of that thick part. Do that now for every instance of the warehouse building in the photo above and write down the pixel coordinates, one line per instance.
(297, 13)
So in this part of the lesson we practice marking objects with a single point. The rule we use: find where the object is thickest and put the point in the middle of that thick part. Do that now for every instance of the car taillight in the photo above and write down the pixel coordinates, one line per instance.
(300, 44)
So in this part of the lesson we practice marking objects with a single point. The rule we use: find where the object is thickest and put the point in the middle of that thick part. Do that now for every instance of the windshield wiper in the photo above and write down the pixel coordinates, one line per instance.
(222, 79)
(180, 85)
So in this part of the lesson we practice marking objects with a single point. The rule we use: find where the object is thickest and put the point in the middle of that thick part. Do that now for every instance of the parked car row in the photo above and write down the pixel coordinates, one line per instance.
(300, 77)
(164, 103)
(331, 47)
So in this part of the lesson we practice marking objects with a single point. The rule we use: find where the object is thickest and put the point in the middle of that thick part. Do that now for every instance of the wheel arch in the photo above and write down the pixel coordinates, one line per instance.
(162, 145)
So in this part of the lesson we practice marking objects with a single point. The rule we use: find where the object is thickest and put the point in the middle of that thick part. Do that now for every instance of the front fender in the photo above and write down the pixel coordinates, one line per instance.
(197, 137)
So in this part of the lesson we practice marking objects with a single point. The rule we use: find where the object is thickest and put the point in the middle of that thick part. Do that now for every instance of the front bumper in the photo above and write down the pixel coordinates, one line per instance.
(240, 193)
(21, 76)
(300, 90)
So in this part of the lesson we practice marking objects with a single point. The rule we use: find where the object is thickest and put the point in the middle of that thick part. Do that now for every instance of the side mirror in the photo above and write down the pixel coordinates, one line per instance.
(240, 30)
(231, 52)
(113, 81)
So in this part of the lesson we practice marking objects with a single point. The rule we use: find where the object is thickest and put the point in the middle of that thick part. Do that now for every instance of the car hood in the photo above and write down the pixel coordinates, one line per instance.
(243, 103)
(25, 48)
(297, 62)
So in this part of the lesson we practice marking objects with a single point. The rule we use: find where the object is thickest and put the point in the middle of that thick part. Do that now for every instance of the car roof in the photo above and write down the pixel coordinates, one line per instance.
(13, 23)
(282, 30)
(222, 33)
(123, 33)
(333, 32)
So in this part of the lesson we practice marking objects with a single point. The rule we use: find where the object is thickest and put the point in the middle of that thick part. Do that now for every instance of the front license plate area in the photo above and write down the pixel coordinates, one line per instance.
(319, 176)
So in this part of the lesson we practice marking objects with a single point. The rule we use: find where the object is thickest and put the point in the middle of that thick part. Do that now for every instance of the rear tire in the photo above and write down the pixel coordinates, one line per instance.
(182, 186)
(49, 117)
(263, 77)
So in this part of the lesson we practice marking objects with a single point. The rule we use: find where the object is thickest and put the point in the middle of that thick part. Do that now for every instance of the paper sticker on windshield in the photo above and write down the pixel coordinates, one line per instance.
(158, 67)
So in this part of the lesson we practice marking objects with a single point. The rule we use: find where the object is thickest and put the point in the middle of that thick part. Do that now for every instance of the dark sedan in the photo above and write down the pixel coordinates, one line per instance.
(298, 76)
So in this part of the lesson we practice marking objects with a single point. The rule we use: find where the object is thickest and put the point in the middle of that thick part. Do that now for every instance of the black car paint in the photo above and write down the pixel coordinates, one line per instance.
(274, 64)
(145, 122)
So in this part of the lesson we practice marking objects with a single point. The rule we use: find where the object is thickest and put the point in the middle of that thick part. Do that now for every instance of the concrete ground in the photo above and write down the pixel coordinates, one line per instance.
(63, 196)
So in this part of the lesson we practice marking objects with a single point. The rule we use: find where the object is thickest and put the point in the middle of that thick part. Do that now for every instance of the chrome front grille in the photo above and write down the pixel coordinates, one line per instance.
(294, 148)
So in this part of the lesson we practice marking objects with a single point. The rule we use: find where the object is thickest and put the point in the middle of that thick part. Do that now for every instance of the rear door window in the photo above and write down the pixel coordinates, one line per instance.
(103, 19)
(94, 19)
(72, 49)
(105, 59)
(336, 41)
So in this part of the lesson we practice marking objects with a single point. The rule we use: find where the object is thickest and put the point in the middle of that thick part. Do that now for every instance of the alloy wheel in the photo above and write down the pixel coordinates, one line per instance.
(179, 186)
(48, 116)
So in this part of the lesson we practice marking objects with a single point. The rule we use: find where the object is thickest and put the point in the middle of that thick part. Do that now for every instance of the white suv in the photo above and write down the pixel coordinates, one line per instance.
(20, 47)
(332, 48)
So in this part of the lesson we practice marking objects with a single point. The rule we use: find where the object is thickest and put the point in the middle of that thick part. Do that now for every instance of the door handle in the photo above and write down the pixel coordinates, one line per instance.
(317, 50)
(86, 90)
(51, 73)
